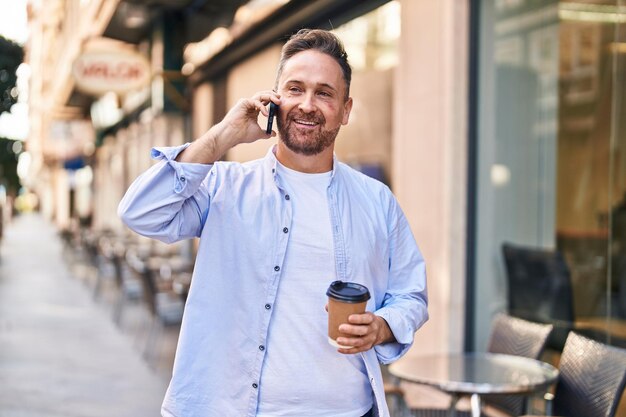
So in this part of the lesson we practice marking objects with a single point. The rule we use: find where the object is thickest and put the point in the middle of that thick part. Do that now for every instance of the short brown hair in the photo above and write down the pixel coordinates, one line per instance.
(322, 41)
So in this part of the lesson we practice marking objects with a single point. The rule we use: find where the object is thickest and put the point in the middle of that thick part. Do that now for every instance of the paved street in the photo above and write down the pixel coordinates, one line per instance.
(60, 353)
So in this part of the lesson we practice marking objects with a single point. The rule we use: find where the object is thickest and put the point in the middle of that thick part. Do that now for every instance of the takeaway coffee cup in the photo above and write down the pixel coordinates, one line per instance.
(344, 298)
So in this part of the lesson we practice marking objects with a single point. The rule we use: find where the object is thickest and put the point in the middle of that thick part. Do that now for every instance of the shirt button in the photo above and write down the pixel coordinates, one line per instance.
(261, 348)
(287, 197)
(285, 230)
(255, 385)
(268, 306)
(182, 179)
(277, 268)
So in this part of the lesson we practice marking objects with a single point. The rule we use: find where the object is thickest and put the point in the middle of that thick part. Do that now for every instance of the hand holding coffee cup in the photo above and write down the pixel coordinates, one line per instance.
(344, 299)
(350, 327)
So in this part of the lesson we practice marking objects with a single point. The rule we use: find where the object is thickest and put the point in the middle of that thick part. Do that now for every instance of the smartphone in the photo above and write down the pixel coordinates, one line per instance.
(270, 117)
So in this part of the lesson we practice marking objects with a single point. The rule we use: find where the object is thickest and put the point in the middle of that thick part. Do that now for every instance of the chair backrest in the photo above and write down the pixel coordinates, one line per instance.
(515, 336)
(591, 378)
(140, 268)
(540, 288)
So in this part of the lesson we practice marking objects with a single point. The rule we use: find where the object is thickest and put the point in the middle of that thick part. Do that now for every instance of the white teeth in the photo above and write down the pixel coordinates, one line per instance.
(306, 122)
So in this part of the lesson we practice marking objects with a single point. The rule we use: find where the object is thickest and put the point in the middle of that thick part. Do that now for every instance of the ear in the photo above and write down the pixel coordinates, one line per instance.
(347, 108)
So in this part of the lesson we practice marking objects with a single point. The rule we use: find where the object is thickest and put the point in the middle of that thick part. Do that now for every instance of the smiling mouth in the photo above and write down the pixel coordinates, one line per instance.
(305, 123)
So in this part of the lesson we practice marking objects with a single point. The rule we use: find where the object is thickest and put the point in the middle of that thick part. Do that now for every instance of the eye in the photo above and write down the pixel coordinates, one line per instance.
(325, 94)
(294, 89)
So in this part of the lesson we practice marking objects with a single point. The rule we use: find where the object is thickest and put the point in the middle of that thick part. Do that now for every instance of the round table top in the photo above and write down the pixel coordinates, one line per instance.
(476, 373)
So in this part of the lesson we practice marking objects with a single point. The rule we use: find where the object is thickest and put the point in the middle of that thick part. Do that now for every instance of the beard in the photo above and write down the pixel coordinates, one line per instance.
(309, 142)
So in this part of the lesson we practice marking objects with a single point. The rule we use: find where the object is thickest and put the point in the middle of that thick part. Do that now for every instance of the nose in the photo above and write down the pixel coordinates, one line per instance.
(307, 105)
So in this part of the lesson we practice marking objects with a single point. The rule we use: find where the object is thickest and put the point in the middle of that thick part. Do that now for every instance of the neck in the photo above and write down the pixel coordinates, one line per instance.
(309, 164)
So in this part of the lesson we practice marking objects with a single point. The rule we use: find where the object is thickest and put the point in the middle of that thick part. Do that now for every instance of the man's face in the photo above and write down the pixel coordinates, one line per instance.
(313, 105)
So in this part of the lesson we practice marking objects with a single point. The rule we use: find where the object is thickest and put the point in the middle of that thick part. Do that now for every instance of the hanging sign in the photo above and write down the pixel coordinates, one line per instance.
(99, 72)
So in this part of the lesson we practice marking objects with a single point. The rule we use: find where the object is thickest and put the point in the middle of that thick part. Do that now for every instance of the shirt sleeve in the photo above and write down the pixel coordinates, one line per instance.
(169, 201)
(405, 305)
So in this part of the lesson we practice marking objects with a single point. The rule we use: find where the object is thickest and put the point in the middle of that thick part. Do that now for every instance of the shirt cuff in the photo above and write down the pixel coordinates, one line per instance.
(188, 175)
(392, 351)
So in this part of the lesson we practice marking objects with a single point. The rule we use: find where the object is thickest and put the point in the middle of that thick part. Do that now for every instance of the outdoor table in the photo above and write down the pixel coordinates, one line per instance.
(475, 374)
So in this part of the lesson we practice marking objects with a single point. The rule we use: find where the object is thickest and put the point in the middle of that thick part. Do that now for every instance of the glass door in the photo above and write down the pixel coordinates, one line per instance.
(550, 240)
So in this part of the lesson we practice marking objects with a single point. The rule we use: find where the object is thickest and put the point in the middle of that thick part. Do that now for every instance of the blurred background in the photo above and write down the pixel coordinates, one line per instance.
(499, 124)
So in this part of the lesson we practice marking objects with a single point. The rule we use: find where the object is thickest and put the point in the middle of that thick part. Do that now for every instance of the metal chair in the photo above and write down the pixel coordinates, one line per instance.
(512, 336)
(129, 286)
(540, 290)
(515, 336)
(165, 307)
(591, 379)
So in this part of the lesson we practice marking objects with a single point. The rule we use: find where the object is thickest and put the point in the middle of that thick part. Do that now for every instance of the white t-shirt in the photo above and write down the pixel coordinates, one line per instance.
(331, 384)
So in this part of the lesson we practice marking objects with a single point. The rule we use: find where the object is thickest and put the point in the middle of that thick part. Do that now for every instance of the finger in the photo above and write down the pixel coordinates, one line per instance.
(356, 345)
(275, 99)
(354, 342)
(266, 96)
(352, 351)
(351, 329)
(258, 104)
(365, 318)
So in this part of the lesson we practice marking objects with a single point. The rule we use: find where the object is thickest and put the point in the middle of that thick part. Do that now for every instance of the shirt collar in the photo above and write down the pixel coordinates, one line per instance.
(271, 162)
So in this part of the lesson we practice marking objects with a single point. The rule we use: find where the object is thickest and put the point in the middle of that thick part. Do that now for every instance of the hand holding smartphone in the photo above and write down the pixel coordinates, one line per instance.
(270, 118)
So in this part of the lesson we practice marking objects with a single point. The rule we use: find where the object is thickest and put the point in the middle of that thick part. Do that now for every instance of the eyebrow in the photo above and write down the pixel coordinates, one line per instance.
(317, 84)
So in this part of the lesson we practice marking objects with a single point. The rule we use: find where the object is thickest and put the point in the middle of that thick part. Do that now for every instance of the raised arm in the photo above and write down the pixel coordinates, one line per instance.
(238, 126)
(170, 201)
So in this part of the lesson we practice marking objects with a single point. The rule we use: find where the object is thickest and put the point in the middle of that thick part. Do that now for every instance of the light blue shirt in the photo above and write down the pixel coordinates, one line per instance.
(243, 216)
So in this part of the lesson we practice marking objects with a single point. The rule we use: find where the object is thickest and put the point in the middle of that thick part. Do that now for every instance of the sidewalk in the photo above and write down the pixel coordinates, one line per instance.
(60, 354)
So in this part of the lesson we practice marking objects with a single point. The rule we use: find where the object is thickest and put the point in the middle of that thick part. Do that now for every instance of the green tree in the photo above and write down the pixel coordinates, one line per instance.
(9, 154)
(11, 56)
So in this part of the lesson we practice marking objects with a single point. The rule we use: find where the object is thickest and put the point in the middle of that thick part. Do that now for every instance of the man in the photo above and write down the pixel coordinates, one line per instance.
(274, 233)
